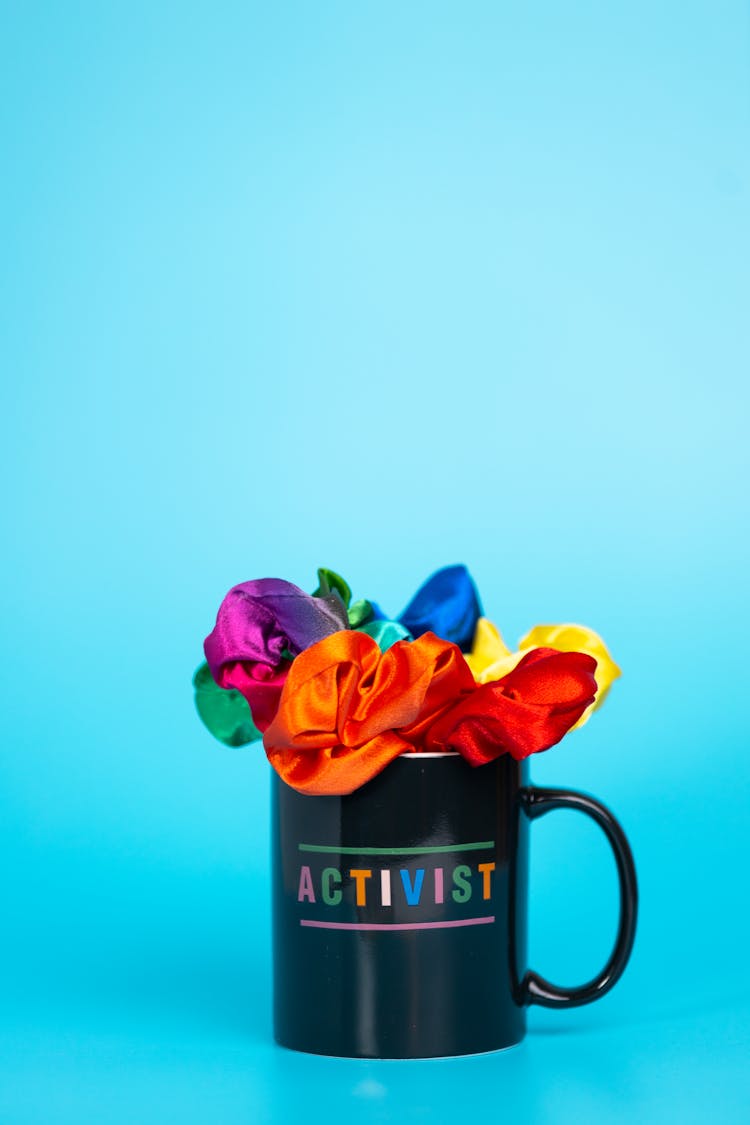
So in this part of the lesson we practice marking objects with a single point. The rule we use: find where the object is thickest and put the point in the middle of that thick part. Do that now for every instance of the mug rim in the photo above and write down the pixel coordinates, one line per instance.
(430, 754)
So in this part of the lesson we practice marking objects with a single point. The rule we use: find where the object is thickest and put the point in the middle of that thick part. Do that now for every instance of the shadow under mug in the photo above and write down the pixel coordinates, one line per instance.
(400, 910)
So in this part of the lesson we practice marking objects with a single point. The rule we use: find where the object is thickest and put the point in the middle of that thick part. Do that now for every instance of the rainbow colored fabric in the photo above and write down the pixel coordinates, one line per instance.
(337, 689)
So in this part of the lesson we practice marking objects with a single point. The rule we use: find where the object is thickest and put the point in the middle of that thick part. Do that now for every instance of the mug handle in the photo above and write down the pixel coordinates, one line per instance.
(535, 989)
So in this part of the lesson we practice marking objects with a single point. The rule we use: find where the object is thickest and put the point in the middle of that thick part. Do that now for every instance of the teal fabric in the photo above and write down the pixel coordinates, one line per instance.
(386, 633)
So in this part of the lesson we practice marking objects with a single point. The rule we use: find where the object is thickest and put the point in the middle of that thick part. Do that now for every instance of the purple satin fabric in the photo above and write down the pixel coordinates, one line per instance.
(258, 621)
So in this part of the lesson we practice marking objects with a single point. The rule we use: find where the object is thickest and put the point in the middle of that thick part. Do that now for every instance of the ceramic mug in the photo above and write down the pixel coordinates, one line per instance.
(400, 910)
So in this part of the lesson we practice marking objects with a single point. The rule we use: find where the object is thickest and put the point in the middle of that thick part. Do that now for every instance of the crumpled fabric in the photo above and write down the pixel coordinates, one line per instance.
(577, 638)
(346, 710)
(447, 604)
(344, 701)
(260, 684)
(328, 582)
(362, 614)
(490, 658)
(528, 710)
(262, 620)
(261, 625)
(225, 713)
(386, 633)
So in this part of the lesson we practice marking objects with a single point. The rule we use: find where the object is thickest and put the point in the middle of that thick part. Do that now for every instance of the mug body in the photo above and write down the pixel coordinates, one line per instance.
(399, 911)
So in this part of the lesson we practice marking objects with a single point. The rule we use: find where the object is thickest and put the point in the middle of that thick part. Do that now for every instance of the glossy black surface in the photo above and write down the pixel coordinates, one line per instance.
(402, 993)
(408, 971)
(537, 990)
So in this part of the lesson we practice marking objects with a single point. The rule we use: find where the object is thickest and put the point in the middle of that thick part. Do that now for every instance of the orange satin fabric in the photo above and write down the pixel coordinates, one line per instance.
(346, 707)
(347, 710)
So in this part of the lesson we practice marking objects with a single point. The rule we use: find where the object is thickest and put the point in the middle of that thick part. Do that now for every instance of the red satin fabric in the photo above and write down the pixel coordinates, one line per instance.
(346, 710)
(526, 711)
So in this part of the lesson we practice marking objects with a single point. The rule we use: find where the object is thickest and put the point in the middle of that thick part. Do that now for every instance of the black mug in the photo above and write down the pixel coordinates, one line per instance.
(400, 910)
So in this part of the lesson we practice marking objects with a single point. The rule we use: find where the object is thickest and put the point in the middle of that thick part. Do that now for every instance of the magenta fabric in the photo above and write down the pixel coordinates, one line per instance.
(263, 620)
(260, 626)
(261, 685)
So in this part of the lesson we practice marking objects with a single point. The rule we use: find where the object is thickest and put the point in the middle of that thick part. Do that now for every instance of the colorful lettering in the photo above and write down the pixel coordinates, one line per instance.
(305, 892)
(413, 893)
(331, 896)
(461, 878)
(359, 876)
(486, 869)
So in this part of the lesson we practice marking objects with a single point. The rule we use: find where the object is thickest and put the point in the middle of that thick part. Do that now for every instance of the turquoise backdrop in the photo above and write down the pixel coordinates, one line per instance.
(378, 287)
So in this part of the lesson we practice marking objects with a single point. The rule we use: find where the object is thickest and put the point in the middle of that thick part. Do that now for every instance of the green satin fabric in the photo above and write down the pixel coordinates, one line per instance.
(385, 633)
(224, 712)
(329, 582)
(360, 613)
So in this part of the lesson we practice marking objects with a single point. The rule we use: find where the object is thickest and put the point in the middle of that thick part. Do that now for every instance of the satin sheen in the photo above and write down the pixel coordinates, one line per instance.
(260, 624)
(490, 658)
(259, 621)
(577, 638)
(447, 604)
(225, 713)
(337, 690)
(386, 633)
(346, 710)
(260, 684)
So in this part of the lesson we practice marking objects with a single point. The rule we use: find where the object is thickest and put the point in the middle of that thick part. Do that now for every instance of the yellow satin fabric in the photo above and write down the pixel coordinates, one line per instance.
(490, 657)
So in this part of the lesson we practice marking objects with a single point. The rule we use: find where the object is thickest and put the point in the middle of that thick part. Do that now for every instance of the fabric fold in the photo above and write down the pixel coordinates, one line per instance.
(447, 604)
(490, 658)
(260, 626)
(343, 702)
(525, 712)
(225, 713)
(346, 710)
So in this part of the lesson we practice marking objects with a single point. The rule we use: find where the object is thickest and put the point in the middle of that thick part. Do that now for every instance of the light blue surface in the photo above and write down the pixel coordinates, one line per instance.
(273, 280)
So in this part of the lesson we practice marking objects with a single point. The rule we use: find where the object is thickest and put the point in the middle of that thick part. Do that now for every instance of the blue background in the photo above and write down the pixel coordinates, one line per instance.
(377, 287)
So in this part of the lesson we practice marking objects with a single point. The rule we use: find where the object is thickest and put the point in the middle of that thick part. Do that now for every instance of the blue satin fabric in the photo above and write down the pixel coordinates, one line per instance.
(447, 604)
